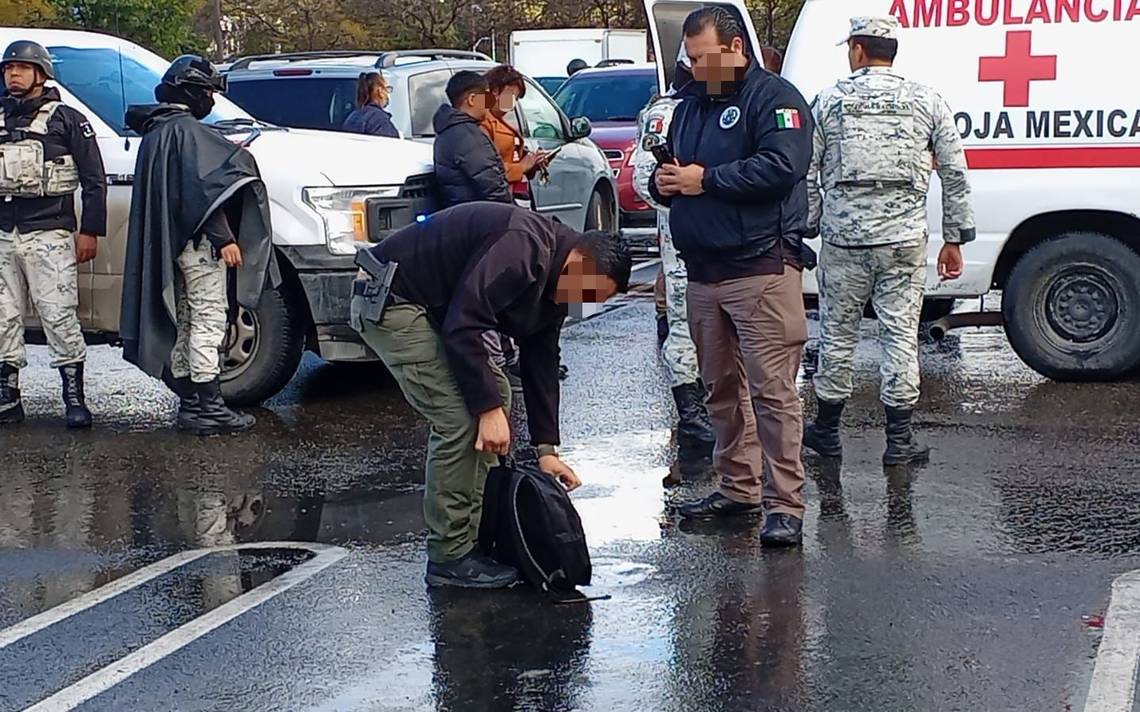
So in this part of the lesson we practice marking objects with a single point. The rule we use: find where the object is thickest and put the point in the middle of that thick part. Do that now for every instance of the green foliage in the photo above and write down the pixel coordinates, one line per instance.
(163, 26)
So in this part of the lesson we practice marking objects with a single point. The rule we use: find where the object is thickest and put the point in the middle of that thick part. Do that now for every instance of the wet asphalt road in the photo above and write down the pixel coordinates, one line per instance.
(960, 585)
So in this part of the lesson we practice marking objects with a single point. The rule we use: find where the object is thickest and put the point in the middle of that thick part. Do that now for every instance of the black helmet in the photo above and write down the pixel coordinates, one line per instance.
(576, 65)
(31, 53)
(190, 70)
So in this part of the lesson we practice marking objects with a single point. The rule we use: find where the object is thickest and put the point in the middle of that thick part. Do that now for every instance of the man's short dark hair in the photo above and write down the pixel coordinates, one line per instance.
(464, 83)
(727, 26)
(878, 48)
(610, 254)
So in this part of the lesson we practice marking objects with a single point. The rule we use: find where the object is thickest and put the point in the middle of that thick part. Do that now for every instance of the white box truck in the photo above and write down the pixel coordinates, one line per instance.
(545, 53)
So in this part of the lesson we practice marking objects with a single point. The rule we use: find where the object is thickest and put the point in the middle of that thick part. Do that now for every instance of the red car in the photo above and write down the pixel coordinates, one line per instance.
(611, 98)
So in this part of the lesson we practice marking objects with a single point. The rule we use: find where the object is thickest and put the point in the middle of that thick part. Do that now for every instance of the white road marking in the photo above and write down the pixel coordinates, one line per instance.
(102, 680)
(1113, 686)
(93, 598)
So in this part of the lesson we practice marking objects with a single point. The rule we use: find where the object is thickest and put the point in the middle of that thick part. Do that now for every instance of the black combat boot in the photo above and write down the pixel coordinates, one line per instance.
(902, 447)
(822, 436)
(694, 425)
(187, 400)
(11, 407)
(211, 416)
(77, 414)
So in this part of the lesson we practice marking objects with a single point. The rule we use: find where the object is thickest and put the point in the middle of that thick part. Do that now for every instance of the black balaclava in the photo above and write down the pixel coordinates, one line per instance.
(199, 100)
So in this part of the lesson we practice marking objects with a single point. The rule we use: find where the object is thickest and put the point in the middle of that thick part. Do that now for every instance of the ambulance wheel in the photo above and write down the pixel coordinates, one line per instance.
(262, 349)
(1072, 308)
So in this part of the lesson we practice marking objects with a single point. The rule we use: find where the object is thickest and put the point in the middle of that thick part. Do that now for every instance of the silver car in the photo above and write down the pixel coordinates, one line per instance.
(317, 90)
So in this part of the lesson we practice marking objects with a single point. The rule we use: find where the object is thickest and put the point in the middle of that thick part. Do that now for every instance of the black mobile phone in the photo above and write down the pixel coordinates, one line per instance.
(663, 155)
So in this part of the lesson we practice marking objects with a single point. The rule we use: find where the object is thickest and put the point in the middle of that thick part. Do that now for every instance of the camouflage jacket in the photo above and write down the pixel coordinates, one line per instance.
(878, 137)
(652, 127)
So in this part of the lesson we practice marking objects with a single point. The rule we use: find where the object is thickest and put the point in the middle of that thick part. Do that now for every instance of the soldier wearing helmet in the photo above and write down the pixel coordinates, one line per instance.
(199, 207)
(47, 152)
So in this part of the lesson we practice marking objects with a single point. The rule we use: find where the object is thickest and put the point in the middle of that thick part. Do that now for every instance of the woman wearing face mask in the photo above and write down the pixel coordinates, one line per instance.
(507, 87)
(370, 116)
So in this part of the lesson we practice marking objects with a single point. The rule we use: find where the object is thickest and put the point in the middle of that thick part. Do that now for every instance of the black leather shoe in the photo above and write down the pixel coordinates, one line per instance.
(717, 505)
(472, 571)
(782, 530)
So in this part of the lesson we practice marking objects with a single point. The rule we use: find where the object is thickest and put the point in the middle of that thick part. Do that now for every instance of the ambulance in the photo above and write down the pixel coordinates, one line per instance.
(1049, 115)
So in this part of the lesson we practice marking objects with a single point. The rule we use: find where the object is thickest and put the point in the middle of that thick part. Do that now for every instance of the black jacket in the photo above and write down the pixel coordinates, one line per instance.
(371, 119)
(467, 166)
(484, 266)
(186, 173)
(755, 146)
(69, 132)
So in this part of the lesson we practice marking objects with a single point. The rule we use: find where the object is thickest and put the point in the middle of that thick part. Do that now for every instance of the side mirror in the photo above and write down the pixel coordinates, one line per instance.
(580, 128)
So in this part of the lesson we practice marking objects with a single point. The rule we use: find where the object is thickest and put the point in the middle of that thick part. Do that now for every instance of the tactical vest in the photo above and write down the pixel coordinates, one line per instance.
(881, 140)
(24, 172)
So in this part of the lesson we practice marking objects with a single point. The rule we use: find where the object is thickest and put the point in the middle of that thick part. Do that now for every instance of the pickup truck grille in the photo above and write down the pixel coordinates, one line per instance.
(417, 187)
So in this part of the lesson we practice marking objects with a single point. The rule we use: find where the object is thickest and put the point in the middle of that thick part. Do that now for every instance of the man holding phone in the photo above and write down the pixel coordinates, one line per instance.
(738, 212)
(695, 437)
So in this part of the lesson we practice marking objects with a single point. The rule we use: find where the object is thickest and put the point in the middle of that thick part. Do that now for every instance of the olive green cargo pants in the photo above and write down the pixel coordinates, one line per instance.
(454, 473)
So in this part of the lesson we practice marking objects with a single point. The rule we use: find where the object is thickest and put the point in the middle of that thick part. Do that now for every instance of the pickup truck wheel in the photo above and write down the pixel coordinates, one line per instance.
(598, 214)
(1072, 308)
(262, 349)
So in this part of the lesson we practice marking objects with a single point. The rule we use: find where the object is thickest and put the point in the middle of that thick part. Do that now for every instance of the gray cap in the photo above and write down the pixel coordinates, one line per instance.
(885, 27)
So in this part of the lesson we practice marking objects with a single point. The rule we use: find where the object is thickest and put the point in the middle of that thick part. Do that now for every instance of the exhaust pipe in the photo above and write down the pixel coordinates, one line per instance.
(939, 328)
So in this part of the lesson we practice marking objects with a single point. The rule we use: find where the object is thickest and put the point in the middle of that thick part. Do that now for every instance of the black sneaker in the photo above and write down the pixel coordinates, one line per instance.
(472, 571)
(717, 505)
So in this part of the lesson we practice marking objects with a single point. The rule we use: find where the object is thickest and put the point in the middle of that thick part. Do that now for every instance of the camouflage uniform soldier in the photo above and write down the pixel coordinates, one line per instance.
(679, 350)
(47, 151)
(874, 139)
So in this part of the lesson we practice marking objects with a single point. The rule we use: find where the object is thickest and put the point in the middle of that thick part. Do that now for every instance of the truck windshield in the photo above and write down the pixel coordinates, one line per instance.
(107, 81)
(607, 98)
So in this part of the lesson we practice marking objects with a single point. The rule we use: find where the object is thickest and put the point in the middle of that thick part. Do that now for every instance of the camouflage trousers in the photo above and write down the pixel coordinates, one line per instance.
(200, 305)
(893, 278)
(40, 266)
(679, 352)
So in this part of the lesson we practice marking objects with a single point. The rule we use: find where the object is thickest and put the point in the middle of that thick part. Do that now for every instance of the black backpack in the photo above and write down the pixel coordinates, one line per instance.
(530, 523)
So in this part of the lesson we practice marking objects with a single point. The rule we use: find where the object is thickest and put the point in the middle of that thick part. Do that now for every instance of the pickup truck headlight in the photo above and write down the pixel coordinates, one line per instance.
(344, 215)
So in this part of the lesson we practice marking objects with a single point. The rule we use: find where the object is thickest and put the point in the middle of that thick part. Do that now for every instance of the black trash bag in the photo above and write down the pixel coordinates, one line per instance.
(530, 523)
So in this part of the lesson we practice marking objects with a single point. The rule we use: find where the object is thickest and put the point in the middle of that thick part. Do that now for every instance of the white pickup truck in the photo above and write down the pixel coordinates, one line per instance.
(330, 193)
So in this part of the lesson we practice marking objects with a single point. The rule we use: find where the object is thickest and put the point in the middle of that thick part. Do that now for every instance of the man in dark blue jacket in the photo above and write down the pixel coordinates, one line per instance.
(742, 142)
(467, 166)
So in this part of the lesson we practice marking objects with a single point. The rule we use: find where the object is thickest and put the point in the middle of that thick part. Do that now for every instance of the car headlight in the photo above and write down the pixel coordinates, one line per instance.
(344, 214)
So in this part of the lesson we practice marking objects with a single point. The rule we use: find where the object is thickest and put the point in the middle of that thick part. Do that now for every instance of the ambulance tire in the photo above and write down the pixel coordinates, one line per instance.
(1071, 308)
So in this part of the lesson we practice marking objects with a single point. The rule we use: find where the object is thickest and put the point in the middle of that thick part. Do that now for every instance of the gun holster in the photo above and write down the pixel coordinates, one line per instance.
(376, 290)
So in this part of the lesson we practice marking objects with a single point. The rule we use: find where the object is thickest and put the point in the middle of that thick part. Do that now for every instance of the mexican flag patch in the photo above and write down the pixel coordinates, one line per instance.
(788, 119)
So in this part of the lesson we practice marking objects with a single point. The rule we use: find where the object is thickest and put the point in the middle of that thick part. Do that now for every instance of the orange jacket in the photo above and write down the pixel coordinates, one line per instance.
(508, 143)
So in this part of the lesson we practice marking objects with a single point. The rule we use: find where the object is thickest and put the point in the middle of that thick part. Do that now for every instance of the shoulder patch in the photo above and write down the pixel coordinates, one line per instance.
(788, 119)
(655, 125)
(88, 131)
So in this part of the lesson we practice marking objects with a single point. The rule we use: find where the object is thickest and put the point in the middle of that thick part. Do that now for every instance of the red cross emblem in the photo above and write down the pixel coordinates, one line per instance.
(1018, 68)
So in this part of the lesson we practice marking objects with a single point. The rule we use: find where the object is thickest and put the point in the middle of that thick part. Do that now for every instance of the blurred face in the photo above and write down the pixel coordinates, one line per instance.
(505, 100)
(476, 104)
(581, 283)
(20, 78)
(720, 67)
